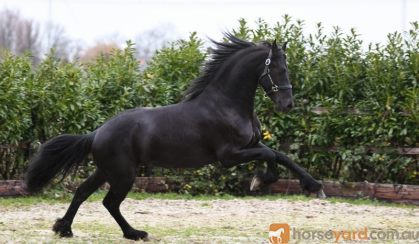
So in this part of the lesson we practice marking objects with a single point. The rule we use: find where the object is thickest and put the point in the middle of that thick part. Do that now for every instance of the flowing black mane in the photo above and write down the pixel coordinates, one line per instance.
(219, 54)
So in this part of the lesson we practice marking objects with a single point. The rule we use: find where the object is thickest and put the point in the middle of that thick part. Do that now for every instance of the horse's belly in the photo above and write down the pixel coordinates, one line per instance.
(175, 139)
(187, 158)
(173, 163)
(179, 154)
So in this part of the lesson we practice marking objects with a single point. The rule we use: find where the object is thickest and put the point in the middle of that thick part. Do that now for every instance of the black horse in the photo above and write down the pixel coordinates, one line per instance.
(215, 122)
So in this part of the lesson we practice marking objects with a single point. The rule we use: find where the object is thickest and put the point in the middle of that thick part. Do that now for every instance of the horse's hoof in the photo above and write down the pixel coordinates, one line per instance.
(320, 194)
(62, 227)
(256, 183)
(66, 234)
(136, 235)
(310, 185)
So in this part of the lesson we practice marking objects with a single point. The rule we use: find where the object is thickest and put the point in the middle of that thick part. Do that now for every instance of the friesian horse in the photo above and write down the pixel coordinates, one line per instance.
(215, 122)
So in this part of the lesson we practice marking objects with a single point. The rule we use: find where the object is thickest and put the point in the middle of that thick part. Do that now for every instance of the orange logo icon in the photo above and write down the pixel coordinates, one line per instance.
(279, 233)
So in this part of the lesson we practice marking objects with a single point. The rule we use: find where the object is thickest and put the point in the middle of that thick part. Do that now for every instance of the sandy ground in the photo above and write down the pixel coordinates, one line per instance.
(216, 221)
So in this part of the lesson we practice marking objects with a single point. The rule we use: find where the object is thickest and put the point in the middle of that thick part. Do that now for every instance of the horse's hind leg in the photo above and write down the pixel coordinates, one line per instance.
(119, 189)
(63, 226)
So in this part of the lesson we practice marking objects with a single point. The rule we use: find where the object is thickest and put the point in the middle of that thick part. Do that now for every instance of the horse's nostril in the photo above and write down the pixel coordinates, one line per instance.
(290, 105)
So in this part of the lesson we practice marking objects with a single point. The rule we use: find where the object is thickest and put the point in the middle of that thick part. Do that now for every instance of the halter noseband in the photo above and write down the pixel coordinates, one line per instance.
(267, 72)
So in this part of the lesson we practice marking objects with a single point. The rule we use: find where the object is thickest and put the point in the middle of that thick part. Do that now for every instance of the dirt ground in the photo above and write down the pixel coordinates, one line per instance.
(211, 221)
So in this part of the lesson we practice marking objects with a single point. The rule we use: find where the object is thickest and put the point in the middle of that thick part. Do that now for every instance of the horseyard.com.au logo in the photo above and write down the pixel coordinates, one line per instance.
(281, 233)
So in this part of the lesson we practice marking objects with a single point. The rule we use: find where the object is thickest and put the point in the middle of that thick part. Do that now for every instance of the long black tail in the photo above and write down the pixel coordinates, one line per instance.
(57, 156)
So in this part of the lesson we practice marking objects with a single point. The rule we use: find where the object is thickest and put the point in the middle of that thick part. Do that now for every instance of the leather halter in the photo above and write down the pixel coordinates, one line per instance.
(267, 72)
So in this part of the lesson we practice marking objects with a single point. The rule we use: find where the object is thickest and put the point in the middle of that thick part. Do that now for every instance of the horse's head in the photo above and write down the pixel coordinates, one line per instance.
(274, 79)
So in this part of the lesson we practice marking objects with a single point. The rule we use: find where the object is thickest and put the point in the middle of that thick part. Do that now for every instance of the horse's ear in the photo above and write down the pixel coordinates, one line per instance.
(274, 45)
(284, 46)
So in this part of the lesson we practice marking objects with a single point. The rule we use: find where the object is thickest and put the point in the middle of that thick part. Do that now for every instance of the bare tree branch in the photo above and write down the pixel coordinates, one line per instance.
(150, 41)
(19, 35)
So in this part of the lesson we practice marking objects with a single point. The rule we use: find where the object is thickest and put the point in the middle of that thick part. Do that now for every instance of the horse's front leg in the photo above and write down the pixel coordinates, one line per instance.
(263, 153)
(230, 158)
(307, 182)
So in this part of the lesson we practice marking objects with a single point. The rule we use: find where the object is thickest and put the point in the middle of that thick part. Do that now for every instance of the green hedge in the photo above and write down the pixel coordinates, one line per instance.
(370, 95)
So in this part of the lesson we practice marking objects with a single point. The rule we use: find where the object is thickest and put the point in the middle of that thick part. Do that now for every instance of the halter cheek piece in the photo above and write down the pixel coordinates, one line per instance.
(267, 72)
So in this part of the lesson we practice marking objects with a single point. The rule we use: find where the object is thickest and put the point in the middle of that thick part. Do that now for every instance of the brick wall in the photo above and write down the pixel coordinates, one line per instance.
(12, 188)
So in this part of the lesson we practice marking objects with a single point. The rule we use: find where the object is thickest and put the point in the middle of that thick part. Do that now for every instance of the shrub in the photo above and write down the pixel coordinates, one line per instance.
(171, 69)
(112, 84)
(370, 95)
(355, 103)
(15, 119)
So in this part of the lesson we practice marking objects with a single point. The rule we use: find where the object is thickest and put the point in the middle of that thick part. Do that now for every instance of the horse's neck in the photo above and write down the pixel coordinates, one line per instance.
(236, 83)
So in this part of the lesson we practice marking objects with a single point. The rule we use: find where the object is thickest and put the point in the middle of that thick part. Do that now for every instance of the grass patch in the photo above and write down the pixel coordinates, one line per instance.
(206, 205)
(175, 196)
(56, 197)
(27, 201)
(292, 198)
(45, 198)
(96, 227)
(371, 202)
(187, 232)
